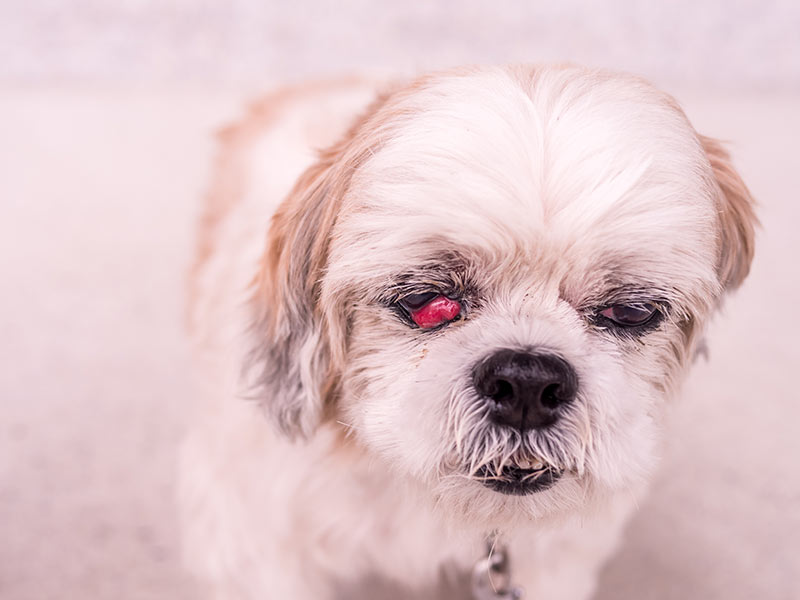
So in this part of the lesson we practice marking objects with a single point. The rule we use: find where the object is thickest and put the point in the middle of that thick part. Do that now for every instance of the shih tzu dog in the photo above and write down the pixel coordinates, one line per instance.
(461, 320)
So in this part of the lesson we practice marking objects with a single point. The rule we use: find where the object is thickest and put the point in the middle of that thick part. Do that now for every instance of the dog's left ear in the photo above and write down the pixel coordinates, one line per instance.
(736, 216)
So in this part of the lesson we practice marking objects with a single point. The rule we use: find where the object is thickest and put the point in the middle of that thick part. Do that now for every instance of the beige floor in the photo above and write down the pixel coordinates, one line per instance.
(99, 189)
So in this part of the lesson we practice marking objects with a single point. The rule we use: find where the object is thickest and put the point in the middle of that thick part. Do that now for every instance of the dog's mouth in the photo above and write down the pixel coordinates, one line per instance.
(519, 479)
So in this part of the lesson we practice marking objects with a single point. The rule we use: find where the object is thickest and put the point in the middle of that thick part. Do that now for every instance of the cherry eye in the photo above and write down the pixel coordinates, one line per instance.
(630, 315)
(430, 310)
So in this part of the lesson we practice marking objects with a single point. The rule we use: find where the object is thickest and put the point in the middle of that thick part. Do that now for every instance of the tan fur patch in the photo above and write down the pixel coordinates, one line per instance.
(736, 216)
(286, 289)
(230, 178)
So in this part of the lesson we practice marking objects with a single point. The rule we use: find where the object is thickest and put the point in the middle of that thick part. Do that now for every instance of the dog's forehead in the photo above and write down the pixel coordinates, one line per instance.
(580, 165)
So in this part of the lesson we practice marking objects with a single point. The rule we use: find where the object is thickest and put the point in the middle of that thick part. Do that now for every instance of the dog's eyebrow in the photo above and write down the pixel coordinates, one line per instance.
(634, 291)
(615, 290)
(448, 272)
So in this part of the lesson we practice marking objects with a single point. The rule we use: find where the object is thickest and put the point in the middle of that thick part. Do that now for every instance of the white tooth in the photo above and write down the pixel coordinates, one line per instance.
(525, 463)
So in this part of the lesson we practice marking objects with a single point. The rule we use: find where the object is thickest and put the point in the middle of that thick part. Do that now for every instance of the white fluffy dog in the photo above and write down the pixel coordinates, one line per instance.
(468, 317)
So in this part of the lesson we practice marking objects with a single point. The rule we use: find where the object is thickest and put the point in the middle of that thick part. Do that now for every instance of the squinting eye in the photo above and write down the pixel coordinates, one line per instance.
(430, 310)
(630, 315)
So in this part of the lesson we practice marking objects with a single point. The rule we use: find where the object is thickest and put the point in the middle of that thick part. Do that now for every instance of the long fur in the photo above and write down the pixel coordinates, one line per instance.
(534, 194)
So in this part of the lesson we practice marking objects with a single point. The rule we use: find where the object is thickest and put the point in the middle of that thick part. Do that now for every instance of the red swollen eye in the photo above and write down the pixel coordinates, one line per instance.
(430, 310)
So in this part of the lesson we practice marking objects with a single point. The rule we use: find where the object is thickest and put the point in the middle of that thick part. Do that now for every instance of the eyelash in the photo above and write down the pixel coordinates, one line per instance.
(660, 310)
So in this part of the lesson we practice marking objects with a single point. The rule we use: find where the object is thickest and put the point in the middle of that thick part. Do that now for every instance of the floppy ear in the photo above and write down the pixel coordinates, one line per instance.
(292, 350)
(299, 344)
(737, 218)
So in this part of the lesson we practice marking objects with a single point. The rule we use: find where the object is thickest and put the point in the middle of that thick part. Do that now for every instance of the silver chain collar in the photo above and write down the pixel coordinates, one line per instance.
(491, 576)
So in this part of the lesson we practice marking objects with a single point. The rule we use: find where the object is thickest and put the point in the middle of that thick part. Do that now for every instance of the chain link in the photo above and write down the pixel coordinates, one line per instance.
(491, 576)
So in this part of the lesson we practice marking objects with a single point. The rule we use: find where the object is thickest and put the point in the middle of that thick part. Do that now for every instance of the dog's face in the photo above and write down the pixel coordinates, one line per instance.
(497, 279)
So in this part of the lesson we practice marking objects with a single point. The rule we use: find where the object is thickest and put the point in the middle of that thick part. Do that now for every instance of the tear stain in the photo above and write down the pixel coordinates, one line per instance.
(418, 360)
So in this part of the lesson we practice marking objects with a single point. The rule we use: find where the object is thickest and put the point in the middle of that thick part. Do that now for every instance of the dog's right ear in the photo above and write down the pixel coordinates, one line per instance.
(298, 345)
(291, 353)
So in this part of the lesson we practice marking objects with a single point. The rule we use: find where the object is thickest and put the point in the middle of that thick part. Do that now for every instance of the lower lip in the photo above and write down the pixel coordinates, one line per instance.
(519, 482)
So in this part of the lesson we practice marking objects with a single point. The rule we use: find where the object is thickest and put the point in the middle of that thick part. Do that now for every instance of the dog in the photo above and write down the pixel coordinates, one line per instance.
(462, 320)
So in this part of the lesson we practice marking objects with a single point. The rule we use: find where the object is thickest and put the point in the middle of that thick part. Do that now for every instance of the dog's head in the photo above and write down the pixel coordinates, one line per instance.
(495, 281)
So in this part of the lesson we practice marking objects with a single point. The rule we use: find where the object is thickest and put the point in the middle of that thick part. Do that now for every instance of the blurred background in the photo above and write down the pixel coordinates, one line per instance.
(107, 110)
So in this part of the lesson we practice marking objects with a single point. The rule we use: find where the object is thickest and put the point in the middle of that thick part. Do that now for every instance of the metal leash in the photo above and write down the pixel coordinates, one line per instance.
(491, 577)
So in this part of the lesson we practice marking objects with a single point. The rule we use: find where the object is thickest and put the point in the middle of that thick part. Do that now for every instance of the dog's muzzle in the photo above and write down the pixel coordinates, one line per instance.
(523, 391)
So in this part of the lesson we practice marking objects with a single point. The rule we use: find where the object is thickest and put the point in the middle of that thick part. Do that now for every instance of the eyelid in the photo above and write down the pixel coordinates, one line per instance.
(439, 311)
(634, 301)
(644, 310)
(641, 305)
(638, 305)
(418, 300)
(652, 313)
(428, 310)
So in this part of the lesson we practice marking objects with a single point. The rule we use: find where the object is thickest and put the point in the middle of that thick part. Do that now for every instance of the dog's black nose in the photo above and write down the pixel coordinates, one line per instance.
(525, 390)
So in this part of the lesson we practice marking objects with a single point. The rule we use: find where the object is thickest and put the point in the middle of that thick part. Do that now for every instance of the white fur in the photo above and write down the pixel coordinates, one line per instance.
(552, 185)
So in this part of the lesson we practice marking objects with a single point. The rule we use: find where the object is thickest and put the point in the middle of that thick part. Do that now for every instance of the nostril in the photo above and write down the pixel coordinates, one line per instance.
(551, 397)
(501, 391)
